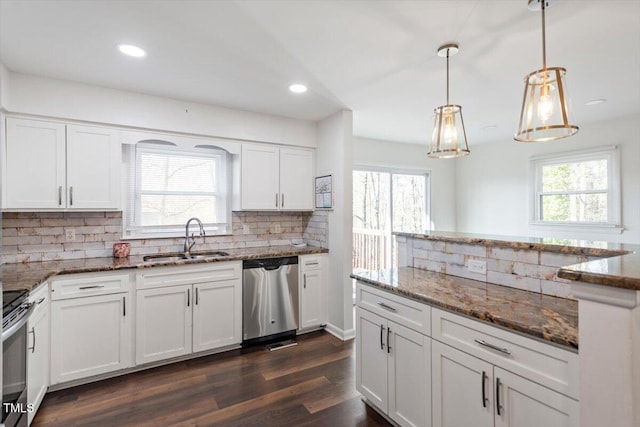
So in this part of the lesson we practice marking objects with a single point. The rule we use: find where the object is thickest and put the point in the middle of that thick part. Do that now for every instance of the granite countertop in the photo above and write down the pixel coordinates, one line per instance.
(618, 267)
(544, 317)
(30, 275)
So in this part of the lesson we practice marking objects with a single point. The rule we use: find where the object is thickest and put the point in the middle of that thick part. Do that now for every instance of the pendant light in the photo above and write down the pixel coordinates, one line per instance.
(448, 139)
(545, 106)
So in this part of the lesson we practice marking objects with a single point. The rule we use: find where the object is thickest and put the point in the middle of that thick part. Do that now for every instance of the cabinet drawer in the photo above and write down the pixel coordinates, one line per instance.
(404, 311)
(545, 364)
(187, 275)
(76, 286)
(310, 262)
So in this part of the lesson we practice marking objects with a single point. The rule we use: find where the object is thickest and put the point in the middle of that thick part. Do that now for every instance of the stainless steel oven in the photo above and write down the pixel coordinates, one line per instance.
(15, 314)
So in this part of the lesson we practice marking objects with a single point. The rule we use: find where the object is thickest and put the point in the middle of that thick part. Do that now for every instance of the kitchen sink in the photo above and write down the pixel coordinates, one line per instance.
(176, 256)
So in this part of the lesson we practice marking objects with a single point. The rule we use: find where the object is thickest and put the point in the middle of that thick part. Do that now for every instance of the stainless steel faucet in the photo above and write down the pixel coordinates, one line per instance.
(189, 241)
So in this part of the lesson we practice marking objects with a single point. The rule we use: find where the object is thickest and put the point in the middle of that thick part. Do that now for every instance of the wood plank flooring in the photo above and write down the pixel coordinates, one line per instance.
(311, 384)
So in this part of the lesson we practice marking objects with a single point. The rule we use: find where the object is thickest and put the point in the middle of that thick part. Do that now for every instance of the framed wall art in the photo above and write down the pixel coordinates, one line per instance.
(324, 192)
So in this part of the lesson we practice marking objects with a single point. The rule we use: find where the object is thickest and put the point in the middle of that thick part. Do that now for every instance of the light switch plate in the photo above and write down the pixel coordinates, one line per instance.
(245, 229)
(70, 235)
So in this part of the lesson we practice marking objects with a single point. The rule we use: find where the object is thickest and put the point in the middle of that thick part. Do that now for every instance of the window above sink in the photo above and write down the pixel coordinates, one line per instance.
(169, 182)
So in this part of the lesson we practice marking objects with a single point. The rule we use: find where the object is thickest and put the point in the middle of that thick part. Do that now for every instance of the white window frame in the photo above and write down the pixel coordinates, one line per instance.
(132, 230)
(612, 155)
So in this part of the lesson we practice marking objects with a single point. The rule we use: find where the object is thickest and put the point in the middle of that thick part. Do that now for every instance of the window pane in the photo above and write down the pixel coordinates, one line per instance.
(164, 172)
(173, 210)
(408, 203)
(588, 175)
(574, 207)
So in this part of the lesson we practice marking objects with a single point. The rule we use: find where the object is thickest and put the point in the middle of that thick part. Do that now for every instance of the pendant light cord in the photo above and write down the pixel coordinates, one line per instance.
(447, 76)
(544, 41)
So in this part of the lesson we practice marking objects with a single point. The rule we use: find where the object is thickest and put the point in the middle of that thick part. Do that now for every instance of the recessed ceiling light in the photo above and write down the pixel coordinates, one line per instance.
(298, 88)
(595, 102)
(131, 50)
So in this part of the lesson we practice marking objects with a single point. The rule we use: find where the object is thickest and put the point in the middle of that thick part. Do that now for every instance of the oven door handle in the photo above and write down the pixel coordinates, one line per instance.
(8, 333)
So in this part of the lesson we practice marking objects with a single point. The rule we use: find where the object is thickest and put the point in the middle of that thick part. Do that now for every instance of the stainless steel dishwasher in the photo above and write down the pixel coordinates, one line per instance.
(269, 299)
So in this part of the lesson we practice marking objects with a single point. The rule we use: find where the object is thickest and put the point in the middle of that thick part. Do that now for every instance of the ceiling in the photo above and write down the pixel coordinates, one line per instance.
(377, 58)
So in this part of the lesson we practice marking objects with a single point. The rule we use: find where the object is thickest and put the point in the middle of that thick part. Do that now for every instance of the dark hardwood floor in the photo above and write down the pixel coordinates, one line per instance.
(311, 384)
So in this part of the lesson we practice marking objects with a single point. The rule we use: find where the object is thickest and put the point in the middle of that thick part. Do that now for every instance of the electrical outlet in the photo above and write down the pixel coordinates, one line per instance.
(277, 229)
(70, 235)
(476, 266)
(245, 229)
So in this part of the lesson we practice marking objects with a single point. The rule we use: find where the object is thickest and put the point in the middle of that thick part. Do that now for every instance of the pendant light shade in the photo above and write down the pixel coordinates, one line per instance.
(448, 138)
(545, 113)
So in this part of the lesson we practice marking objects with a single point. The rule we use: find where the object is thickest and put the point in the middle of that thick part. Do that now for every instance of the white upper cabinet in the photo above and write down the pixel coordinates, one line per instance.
(51, 166)
(34, 169)
(93, 167)
(296, 179)
(276, 178)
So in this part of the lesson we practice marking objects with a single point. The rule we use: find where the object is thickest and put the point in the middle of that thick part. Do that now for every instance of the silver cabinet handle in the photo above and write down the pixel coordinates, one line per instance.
(388, 340)
(276, 200)
(124, 306)
(493, 347)
(60, 196)
(33, 332)
(82, 288)
(40, 301)
(484, 394)
(388, 307)
(188, 297)
(304, 281)
(381, 332)
(282, 201)
(70, 196)
(197, 296)
(311, 263)
(498, 405)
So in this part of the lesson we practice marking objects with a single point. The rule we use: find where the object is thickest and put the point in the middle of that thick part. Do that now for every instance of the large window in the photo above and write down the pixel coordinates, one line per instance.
(169, 185)
(577, 189)
(385, 202)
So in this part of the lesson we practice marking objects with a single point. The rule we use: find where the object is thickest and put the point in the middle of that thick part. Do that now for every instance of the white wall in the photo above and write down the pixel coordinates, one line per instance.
(373, 152)
(4, 83)
(492, 184)
(78, 101)
(334, 157)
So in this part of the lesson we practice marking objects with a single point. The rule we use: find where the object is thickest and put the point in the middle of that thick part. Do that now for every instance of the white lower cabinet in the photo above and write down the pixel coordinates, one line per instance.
(90, 336)
(183, 310)
(163, 323)
(312, 291)
(393, 368)
(38, 349)
(469, 391)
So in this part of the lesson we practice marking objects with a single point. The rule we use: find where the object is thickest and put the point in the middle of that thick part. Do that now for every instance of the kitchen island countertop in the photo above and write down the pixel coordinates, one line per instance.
(544, 317)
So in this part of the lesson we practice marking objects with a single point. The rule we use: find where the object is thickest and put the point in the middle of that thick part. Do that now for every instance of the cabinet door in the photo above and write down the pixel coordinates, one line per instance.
(259, 182)
(93, 168)
(458, 384)
(90, 336)
(526, 404)
(371, 358)
(35, 165)
(311, 299)
(409, 357)
(217, 314)
(38, 354)
(163, 323)
(296, 179)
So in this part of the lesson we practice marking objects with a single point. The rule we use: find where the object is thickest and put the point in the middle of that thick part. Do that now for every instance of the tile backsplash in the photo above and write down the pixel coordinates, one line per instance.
(531, 270)
(41, 236)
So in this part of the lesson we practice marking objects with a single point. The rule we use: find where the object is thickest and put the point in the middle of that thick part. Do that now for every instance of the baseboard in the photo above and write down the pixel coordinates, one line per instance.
(340, 333)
